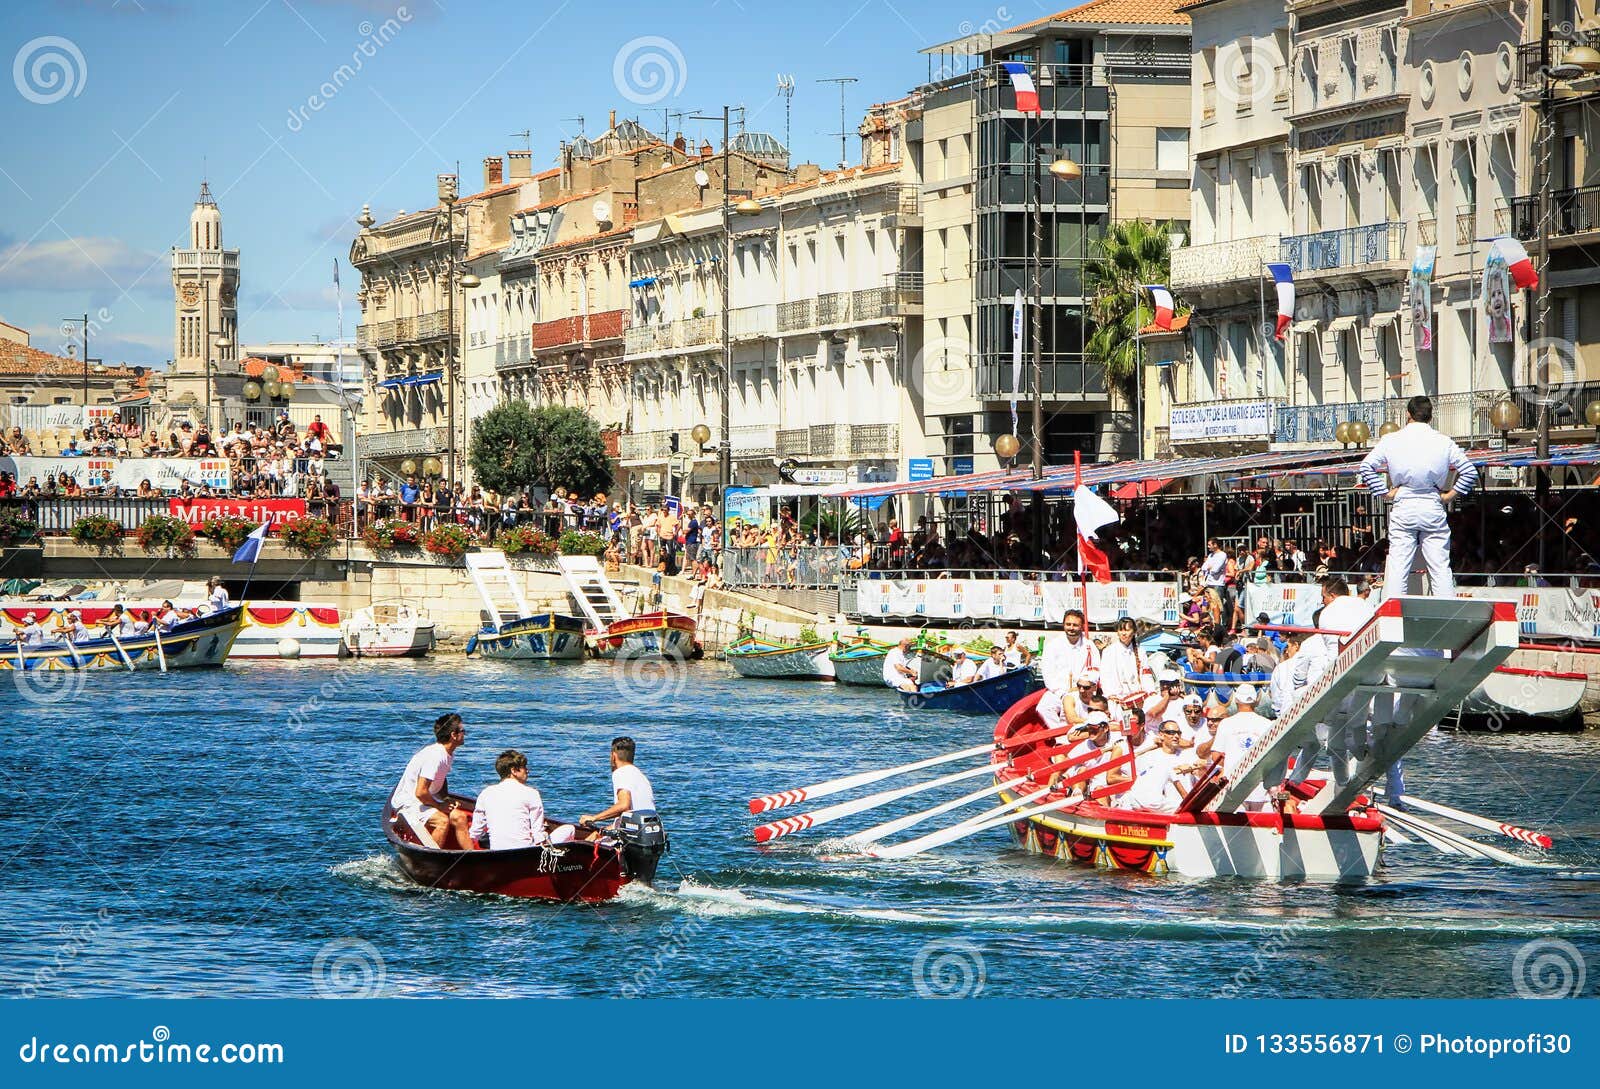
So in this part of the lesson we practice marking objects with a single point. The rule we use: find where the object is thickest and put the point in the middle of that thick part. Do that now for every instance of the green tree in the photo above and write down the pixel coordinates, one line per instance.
(516, 447)
(1133, 252)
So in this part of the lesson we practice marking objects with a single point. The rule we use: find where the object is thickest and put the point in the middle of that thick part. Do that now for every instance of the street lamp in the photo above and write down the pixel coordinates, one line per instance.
(1007, 447)
(1505, 417)
(1360, 432)
(747, 206)
(1341, 434)
(1064, 170)
(84, 322)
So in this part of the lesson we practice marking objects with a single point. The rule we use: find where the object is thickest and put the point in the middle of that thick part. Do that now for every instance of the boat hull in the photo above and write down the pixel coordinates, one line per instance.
(653, 635)
(1218, 845)
(809, 662)
(572, 872)
(389, 630)
(1564, 659)
(1537, 693)
(315, 629)
(541, 637)
(1272, 846)
(202, 643)
(990, 697)
(861, 666)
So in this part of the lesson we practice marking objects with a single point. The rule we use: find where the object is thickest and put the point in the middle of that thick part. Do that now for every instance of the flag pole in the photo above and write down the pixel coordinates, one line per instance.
(1083, 587)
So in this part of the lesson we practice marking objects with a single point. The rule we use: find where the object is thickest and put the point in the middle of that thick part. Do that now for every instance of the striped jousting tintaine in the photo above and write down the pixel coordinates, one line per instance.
(1524, 835)
(789, 825)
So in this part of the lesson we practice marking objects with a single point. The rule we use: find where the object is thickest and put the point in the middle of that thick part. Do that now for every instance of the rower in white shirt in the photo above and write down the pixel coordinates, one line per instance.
(897, 669)
(1067, 657)
(216, 594)
(31, 634)
(964, 670)
(1236, 737)
(1418, 462)
(996, 665)
(510, 814)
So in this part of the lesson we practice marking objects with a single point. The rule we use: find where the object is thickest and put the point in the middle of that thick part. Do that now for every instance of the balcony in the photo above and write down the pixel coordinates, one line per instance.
(415, 440)
(753, 322)
(377, 334)
(1463, 416)
(688, 334)
(833, 308)
(642, 339)
(645, 446)
(1350, 249)
(1428, 231)
(795, 316)
(754, 442)
(578, 330)
(206, 259)
(794, 442)
(1222, 262)
(1572, 212)
(875, 440)
(1466, 226)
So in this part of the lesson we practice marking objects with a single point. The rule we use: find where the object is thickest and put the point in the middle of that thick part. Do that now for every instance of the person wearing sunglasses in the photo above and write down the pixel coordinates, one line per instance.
(1162, 774)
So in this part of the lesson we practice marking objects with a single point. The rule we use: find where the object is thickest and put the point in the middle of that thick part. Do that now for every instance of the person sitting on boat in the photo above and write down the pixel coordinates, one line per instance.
(170, 616)
(1016, 654)
(1235, 737)
(897, 671)
(216, 594)
(1167, 698)
(1124, 676)
(1162, 774)
(30, 633)
(995, 665)
(510, 814)
(1281, 689)
(964, 670)
(421, 796)
(71, 628)
(630, 787)
(1089, 737)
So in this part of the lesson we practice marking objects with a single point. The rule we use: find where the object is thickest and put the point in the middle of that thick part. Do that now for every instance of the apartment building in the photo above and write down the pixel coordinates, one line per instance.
(1113, 83)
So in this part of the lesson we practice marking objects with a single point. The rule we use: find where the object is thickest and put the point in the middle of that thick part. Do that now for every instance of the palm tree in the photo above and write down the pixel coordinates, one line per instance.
(1132, 252)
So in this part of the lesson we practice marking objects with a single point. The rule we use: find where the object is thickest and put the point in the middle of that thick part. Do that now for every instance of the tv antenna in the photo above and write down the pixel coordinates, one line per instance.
(844, 131)
(527, 139)
(786, 89)
(579, 120)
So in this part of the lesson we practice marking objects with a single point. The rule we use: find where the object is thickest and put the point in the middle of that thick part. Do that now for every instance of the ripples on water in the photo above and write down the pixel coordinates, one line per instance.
(217, 834)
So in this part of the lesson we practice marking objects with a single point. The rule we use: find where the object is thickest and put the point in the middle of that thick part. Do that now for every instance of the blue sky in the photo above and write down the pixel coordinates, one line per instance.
(117, 108)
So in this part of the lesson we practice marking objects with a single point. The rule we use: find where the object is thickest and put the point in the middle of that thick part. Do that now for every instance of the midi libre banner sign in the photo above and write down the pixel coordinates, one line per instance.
(274, 512)
(1016, 600)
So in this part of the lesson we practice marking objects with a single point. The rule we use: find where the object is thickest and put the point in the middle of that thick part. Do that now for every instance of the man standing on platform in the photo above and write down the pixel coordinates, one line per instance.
(1418, 462)
(1066, 658)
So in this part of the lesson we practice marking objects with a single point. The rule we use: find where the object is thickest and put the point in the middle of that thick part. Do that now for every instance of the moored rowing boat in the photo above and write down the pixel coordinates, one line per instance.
(780, 661)
(201, 642)
(542, 636)
(651, 635)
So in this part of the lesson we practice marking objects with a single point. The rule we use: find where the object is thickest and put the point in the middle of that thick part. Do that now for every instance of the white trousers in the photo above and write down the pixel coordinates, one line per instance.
(1419, 524)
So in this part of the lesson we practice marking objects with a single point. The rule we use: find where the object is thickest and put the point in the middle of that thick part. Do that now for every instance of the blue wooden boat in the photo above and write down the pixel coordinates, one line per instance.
(199, 642)
(544, 636)
(991, 697)
(1223, 684)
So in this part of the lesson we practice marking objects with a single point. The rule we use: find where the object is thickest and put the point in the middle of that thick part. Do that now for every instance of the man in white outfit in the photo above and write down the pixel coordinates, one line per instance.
(1066, 658)
(1236, 738)
(1418, 462)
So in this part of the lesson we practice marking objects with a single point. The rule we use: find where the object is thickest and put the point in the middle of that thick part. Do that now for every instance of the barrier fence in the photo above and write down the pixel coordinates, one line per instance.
(55, 517)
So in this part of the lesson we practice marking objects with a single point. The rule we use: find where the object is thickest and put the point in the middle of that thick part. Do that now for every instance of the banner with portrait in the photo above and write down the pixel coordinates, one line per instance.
(1422, 298)
(1497, 298)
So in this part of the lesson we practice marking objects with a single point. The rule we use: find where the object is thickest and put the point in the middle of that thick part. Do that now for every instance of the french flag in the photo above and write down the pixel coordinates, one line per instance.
(1161, 298)
(1022, 83)
(1523, 274)
(1283, 278)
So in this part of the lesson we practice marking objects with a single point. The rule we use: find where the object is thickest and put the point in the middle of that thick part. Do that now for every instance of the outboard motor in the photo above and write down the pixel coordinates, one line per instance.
(644, 841)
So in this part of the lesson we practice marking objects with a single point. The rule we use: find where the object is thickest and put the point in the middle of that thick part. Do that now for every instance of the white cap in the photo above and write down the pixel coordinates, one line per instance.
(959, 652)
(1168, 676)
(1193, 700)
(1245, 693)
(1097, 718)
(1090, 676)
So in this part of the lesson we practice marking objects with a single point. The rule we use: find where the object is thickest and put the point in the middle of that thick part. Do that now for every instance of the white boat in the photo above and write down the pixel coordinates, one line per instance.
(756, 657)
(391, 629)
(1514, 690)
(1564, 658)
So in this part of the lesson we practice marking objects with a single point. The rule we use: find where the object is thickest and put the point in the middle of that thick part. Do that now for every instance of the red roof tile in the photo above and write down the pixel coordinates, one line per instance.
(1132, 12)
(21, 359)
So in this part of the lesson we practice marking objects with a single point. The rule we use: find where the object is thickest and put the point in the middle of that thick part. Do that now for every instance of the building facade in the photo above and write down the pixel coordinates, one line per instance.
(1113, 83)
(205, 330)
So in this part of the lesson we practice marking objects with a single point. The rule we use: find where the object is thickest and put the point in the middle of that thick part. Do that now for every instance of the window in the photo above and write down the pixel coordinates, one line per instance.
(1172, 149)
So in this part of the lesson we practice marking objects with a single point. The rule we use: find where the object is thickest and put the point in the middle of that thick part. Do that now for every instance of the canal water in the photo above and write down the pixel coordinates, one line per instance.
(218, 834)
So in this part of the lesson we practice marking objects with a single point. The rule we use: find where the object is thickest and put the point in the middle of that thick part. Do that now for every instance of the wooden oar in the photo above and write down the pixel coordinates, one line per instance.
(118, 644)
(161, 652)
(849, 782)
(787, 825)
(900, 824)
(1522, 835)
(1412, 823)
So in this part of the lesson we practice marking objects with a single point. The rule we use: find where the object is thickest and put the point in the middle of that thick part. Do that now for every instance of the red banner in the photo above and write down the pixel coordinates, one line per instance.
(273, 511)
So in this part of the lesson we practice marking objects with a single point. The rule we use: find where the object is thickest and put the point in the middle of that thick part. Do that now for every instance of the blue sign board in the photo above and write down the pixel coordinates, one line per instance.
(920, 469)
(961, 466)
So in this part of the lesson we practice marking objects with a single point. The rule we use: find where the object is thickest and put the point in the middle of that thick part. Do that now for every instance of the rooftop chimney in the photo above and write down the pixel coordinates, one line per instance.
(807, 172)
(520, 164)
(492, 172)
(705, 150)
(613, 120)
(680, 143)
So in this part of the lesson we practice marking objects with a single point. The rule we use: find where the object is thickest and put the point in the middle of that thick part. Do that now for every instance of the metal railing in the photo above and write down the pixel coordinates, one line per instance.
(1221, 262)
(1346, 248)
(1572, 211)
(645, 445)
(1466, 226)
(1428, 231)
(795, 315)
(833, 308)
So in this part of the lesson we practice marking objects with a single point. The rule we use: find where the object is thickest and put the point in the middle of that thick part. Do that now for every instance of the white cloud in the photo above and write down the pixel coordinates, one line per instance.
(82, 265)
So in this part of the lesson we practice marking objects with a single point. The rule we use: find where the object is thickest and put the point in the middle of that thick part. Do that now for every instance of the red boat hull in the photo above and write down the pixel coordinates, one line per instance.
(573, 872)
(653, 635)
